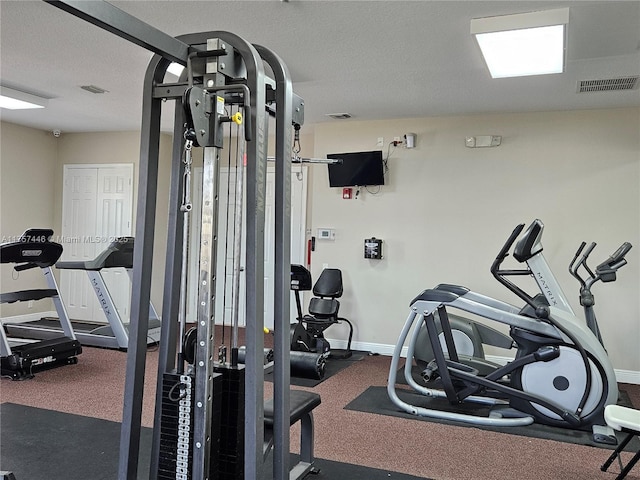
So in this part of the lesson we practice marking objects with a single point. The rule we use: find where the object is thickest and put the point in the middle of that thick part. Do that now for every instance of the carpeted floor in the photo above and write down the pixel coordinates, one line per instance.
(94, 388)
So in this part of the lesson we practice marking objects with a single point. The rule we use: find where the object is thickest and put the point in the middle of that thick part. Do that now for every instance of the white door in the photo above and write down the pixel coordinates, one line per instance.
(224, 267)
(113, 214)
(96, 208)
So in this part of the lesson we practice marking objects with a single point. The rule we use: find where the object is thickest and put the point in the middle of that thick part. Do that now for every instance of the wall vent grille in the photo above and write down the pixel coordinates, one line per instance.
(93, 89)
(608, 84)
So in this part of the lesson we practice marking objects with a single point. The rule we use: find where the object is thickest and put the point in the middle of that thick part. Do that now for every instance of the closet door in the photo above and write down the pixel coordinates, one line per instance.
(96, 208)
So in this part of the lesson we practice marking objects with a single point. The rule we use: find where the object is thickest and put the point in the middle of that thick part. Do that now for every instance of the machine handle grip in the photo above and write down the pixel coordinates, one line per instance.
(616, 260)
(620, 253)
(24, 266)
(504, 252)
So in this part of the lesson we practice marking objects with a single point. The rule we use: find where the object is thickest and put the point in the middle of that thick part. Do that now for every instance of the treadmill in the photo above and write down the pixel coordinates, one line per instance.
(115, 334)
(20, 357)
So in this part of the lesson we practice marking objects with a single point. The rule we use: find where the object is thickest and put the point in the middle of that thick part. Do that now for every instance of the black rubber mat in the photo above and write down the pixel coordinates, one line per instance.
(376, 400)
(40, 444)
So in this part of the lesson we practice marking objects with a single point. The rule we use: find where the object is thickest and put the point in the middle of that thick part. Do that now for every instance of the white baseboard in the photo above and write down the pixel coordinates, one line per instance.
(622, 376)
(628, 376)
(28, 317)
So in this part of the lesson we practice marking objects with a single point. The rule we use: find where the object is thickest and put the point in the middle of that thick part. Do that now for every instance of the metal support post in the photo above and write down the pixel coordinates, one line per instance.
(142, 260)
(282, 272)
(171, 292)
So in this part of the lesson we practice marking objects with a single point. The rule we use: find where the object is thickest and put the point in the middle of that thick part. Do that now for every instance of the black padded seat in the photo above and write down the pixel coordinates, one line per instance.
(322, 309)
(301, 403)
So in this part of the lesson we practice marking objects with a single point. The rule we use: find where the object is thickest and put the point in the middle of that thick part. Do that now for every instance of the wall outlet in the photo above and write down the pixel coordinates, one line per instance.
(30, 304)
(380, 142)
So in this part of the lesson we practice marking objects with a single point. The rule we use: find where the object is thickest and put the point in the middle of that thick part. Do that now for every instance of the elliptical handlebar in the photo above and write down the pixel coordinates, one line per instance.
(542, 311)
(605, 271)
(504, 251)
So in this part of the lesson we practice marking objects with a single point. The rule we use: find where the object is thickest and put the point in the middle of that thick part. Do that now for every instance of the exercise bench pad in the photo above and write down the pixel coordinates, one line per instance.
(619, 417)
(300, 403)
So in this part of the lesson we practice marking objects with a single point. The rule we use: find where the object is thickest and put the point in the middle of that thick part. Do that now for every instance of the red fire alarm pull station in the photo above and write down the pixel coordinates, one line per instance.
(346, 193)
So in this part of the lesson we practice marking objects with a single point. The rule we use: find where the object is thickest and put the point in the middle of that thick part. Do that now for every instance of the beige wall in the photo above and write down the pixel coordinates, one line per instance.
(446, 211)
(27, 168)
(121, 147)
(42, 158)
(443, 214)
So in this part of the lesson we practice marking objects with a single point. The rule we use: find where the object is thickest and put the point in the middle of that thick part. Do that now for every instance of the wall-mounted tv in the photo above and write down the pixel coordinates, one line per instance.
(359, 169)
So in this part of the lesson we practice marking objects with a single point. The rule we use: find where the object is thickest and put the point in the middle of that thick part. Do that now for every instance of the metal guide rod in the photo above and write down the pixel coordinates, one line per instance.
(329, 161)
(185, 208)
(206, 291)
(237, 237)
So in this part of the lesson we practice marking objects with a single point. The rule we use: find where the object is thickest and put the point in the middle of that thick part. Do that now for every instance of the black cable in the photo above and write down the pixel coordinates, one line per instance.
(385, 161)
(183, 393)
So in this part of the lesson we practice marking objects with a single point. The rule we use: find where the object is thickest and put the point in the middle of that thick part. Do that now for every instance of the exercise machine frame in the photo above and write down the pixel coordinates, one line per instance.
(290, 108)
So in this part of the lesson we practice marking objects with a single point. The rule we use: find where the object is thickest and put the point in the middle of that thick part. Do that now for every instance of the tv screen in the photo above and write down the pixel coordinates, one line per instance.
(357, 169)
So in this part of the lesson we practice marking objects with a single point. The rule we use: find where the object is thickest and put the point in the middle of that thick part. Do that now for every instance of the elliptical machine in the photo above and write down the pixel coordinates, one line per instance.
(561, 374)
(470, 336)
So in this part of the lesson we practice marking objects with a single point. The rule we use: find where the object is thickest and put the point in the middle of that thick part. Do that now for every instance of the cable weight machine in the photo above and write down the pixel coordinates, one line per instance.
(223, 71)
(227, 397)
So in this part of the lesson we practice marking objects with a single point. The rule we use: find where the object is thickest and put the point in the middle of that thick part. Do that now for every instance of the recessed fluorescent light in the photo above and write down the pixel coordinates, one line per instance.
(523, 44)
(15, 100)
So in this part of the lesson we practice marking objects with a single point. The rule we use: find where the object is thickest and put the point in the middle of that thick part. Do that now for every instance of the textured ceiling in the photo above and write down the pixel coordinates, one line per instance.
(373, 59)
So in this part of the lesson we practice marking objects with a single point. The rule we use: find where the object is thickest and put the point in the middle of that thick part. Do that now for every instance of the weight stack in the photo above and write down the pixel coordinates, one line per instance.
(231, 458)
(176, 428)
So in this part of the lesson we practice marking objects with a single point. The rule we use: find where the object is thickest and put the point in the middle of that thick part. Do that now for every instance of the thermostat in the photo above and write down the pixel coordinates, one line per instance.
(326, 234)
(373, 248)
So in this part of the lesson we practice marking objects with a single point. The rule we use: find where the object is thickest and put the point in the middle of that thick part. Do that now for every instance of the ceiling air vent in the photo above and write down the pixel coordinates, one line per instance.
(608, 84)
(339, 116)
(93, 89)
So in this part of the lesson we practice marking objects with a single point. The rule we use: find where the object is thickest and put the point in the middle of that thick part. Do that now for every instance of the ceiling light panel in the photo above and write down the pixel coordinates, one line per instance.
(523, 44)
(16, 100)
